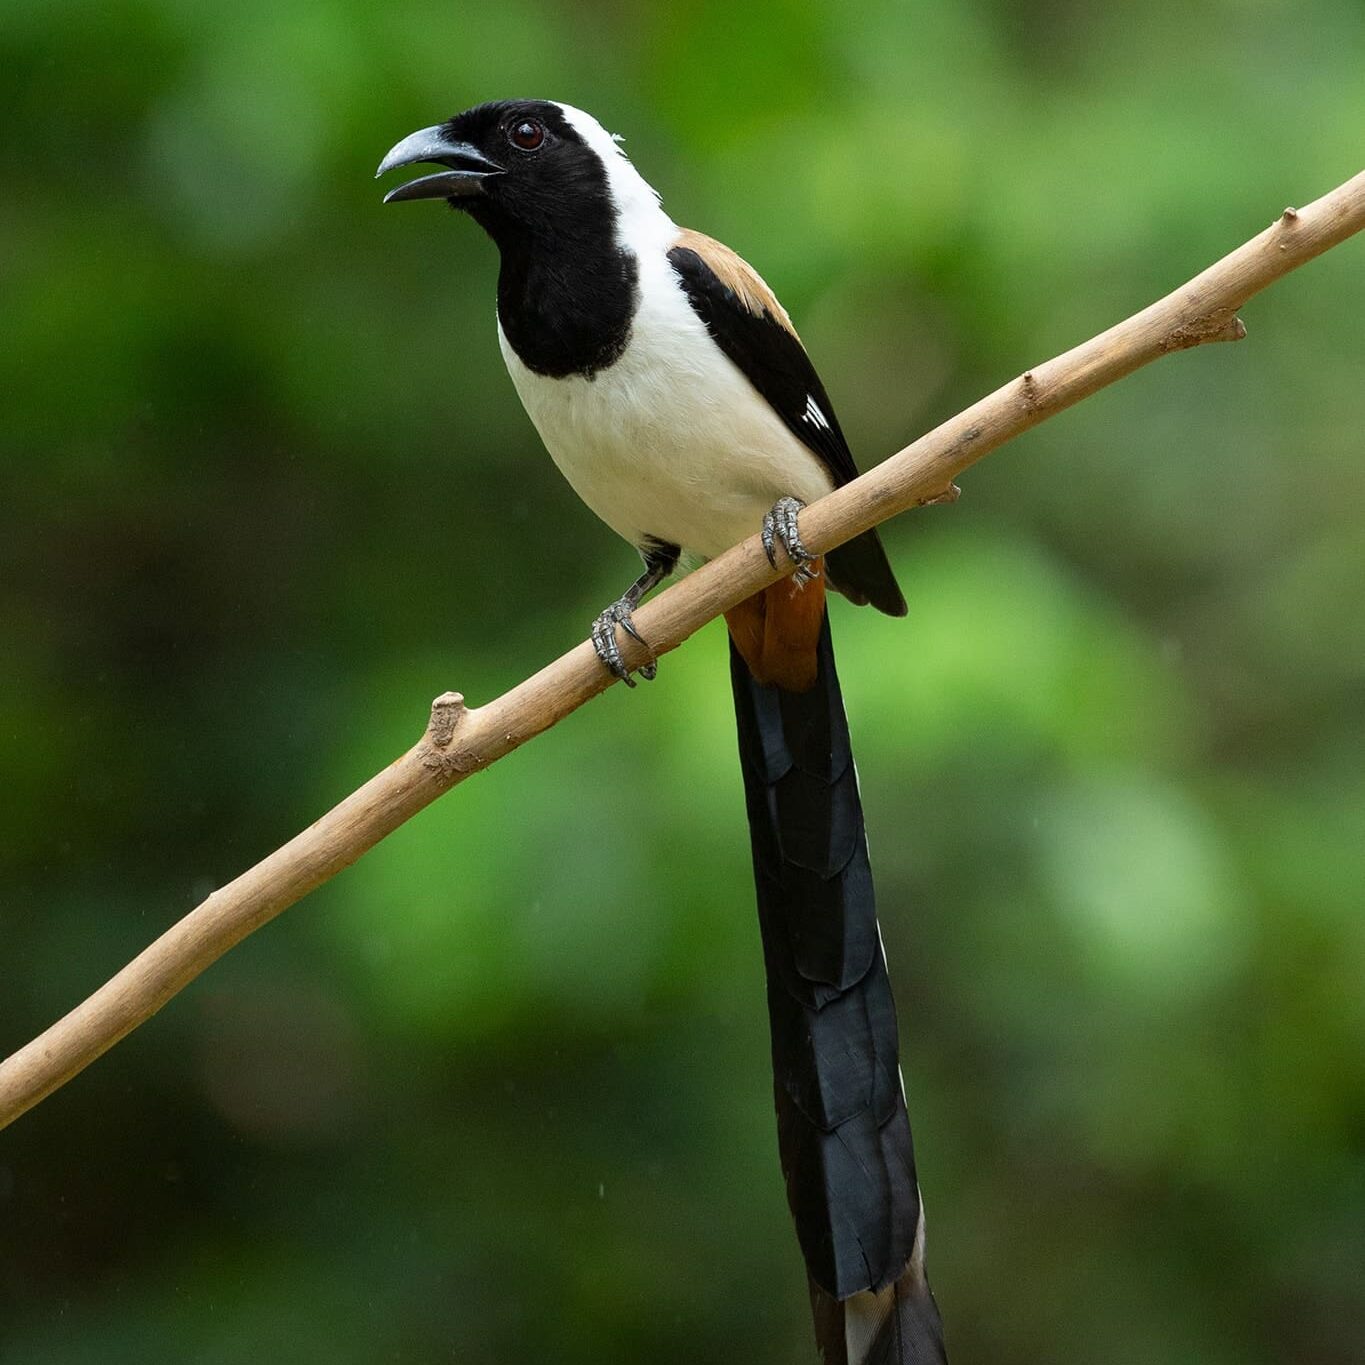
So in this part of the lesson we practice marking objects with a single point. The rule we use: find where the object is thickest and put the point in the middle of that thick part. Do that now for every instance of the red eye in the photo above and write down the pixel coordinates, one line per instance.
(528, 134)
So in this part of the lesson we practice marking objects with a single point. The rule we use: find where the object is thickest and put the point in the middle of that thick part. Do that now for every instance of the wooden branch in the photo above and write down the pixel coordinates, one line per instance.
(460, 741)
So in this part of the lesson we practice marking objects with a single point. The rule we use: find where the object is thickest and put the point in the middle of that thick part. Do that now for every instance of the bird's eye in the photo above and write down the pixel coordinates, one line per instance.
(528, 134)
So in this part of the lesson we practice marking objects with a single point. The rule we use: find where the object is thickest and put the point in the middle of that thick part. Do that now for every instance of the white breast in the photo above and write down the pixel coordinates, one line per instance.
(672, 441)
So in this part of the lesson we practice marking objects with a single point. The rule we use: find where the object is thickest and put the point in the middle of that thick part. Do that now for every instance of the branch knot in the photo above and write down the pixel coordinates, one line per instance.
(1220, 325)
(446, 711)
(447, 764)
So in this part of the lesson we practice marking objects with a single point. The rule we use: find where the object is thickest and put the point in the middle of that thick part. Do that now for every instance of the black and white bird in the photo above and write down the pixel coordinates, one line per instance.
(671, 389)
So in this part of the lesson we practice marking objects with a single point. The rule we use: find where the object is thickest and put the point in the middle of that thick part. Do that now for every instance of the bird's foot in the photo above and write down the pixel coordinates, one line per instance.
(604, 641)
(780, 525)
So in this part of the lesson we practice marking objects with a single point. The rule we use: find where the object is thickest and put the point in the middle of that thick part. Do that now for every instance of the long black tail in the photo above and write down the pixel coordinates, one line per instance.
(842, 1130)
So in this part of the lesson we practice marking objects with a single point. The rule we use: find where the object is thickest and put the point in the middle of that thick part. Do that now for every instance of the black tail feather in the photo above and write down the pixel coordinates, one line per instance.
(861, 571)
(843, 1132)
(899, 1326)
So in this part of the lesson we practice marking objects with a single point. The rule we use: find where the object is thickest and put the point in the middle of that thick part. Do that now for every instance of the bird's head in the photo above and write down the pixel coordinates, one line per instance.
(523, 166)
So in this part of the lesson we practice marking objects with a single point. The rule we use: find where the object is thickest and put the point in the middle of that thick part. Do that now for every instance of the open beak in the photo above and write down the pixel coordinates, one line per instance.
(467, 167)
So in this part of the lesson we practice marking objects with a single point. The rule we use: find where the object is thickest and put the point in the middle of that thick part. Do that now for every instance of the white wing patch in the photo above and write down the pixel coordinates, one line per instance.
(813, 415)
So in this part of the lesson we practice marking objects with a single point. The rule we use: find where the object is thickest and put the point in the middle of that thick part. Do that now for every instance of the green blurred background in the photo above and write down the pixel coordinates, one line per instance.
(501, 1091)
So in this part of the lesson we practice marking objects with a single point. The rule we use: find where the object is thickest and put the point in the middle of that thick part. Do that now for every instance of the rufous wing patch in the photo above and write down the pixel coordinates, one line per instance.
(737, 275)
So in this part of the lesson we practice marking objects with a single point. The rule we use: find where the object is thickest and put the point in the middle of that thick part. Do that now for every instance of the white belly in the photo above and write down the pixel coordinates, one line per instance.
(671, 442)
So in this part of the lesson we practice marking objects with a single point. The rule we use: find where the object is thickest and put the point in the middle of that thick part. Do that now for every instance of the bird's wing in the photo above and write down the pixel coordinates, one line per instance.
(753, 329)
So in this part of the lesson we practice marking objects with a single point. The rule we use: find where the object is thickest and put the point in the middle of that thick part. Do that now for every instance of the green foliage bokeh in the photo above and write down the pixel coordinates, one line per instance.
(501, 1091)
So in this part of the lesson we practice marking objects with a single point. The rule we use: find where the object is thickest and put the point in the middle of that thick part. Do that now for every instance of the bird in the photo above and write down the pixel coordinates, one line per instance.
(672, 390)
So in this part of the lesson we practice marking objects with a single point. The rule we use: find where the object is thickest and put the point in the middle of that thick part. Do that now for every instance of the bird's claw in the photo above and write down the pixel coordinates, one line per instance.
(609, 651)
(779, 525)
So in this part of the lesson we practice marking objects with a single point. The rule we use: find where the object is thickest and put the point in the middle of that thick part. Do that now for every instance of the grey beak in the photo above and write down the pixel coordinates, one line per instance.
(468, 167)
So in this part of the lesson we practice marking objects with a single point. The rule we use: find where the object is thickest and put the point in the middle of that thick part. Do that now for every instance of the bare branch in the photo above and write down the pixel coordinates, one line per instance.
(460, 741)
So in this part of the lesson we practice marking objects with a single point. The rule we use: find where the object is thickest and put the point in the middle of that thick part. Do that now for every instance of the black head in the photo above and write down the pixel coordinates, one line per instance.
(552, 189)
(516, 166)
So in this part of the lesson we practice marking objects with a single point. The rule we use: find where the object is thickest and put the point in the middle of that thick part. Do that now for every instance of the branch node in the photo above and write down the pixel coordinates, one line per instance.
(1220, 325)
(950, 494)
(446, 711)
(1029, 389)
(1289, 216)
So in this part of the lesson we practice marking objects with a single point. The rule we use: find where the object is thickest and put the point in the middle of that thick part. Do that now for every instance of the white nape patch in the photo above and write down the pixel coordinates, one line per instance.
(641, 224)
(814, 415)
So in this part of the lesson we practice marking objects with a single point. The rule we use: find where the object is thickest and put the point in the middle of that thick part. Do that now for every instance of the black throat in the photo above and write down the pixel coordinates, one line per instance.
(566, 292)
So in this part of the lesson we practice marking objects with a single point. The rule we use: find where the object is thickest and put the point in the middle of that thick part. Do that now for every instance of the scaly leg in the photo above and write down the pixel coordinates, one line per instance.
(780, 525)
(660, 561)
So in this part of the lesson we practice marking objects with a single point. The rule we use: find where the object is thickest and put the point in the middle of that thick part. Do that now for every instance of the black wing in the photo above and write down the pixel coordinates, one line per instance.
(753, 330)
(770, 354)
